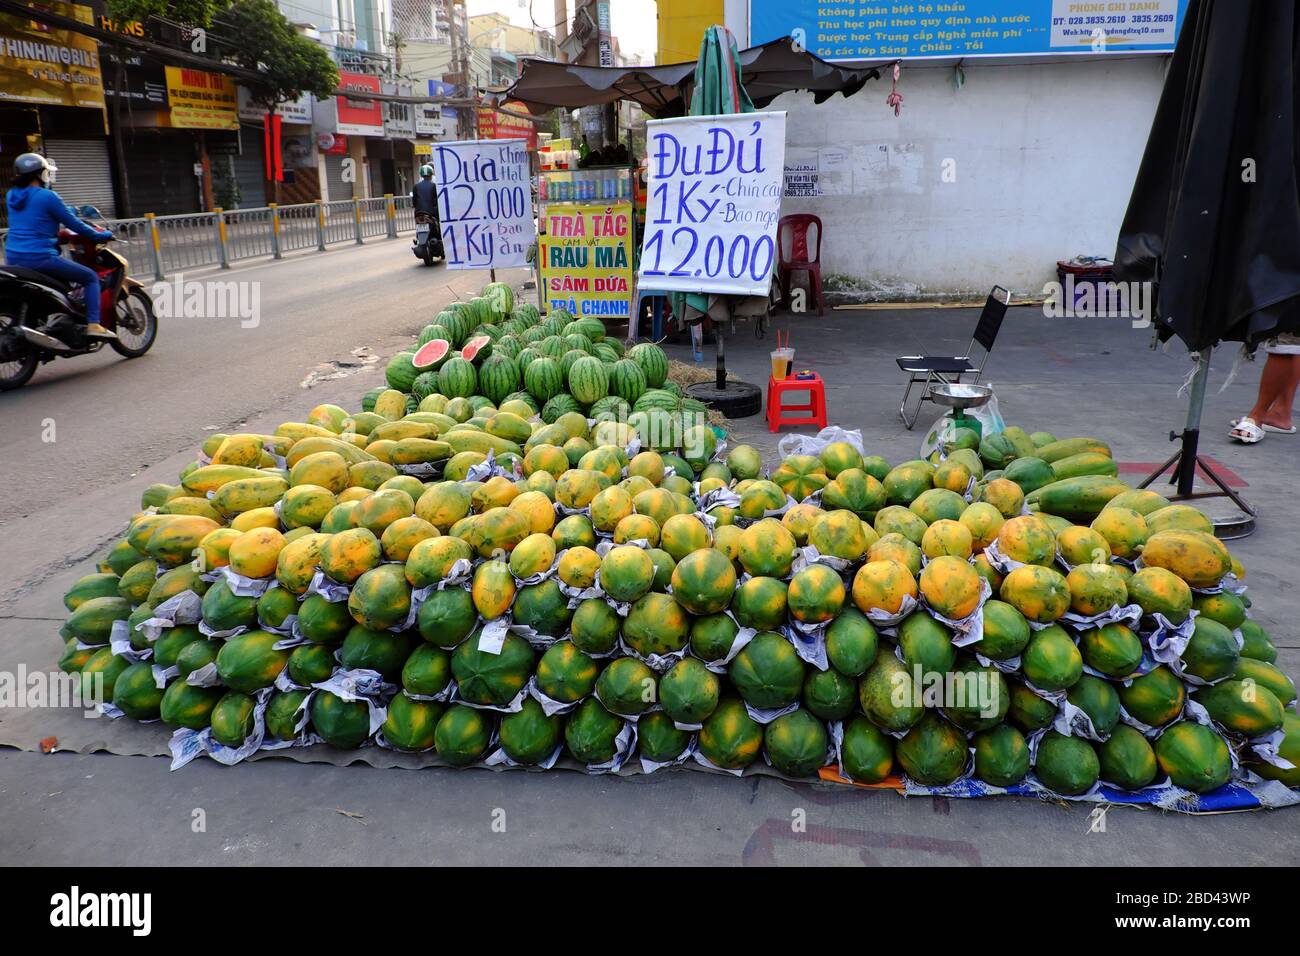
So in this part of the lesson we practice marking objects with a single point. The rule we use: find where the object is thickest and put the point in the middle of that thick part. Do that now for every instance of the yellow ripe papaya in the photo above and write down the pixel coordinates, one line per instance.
(1198, 558)
(213, 551)
(306, 506)
(493, 589)
(349, 554)
(353, 493)
(245, 494)
(391, 404)
(296, 431)
(310, 446)
(402, 429)
(370, 474)
(329, 417)
(176, 536)
(256, 518)
(296, 563)
(254, 553)
(481, 442)
(324, 469)
(414, 451)
(240, 449)
(404, 534)
(951, 586)
(382, 450)
(184, 505)
(211, 477)
(212, 443)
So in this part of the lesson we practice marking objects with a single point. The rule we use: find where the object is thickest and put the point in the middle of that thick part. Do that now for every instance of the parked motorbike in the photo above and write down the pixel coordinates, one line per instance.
(427, 244)
(43, 318)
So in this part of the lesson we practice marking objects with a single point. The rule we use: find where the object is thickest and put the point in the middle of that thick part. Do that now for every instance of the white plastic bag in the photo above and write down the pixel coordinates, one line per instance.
(813, 444)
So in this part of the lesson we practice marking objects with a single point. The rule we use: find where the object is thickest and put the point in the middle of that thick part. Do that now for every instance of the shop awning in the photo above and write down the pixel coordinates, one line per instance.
(769, 70)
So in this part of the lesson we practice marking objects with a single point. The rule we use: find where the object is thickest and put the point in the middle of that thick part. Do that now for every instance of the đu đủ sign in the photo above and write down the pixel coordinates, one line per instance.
(484, 202)
(586, 259)
(713, 200)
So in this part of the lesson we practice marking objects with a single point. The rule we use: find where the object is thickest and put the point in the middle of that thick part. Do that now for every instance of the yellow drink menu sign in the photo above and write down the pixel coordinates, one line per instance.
(585, 254)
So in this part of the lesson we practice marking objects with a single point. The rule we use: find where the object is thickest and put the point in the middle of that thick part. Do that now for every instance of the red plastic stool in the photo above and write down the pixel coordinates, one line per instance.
(777, 408)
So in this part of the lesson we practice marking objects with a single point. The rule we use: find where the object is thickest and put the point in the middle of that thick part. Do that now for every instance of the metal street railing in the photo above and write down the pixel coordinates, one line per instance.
(165, 244)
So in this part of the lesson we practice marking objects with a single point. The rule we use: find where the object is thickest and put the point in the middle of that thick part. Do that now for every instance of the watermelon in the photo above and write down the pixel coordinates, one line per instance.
(652, 361)
(588, 382)
(457, 378)
(543, 378)
(477, 349)
(400, 373)
(561, 404)
(626, 380)
(431, 354)
(498, 377)
(431, 332)
(425, 384)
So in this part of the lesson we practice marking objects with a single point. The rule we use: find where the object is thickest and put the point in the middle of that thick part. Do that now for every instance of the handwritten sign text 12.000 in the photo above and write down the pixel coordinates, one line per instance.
(484, 202)
(713, 202)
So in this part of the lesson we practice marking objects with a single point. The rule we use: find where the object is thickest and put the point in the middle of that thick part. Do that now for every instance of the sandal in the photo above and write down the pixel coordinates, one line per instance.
(1246, 432)
(1279, 431)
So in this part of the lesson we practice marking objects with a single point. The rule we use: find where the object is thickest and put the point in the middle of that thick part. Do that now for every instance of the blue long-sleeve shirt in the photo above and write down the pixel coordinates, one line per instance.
(35, 214)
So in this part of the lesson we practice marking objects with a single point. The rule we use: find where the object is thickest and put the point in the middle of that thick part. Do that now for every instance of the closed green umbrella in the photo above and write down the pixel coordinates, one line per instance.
(719, 88)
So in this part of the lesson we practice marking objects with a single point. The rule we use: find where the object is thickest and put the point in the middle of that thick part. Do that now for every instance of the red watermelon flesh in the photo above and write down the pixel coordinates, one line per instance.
(431, 354)
(476, 348)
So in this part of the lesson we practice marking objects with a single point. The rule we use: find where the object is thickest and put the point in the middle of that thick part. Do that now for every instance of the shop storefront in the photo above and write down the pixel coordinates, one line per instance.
(343, 125)
(52, 100)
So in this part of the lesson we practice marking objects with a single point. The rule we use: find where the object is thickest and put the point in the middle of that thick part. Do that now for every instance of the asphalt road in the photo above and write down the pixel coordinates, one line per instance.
(86, 425)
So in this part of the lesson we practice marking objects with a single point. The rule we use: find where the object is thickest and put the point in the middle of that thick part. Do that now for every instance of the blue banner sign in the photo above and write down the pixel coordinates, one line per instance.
(877, 30)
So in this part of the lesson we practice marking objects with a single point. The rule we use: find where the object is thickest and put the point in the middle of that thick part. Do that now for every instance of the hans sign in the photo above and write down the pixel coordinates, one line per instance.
(714, 199)
(484, 202)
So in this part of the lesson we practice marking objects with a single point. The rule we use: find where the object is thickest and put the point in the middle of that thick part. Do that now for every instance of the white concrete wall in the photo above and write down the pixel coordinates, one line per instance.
(1042, 159)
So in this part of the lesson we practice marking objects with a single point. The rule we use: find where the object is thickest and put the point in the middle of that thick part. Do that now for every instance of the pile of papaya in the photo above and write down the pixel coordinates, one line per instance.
(470, 581)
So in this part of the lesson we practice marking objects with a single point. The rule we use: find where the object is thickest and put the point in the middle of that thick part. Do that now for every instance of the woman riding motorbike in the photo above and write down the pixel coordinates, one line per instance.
(35, 214)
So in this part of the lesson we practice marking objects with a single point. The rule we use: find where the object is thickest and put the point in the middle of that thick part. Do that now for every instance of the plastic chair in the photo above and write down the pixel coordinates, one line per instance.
(778, 411)
(794, 229)
(927, 370)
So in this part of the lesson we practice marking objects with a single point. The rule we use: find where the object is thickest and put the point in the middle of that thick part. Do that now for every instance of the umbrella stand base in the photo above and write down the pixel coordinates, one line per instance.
(1185, 463)
(737, 400)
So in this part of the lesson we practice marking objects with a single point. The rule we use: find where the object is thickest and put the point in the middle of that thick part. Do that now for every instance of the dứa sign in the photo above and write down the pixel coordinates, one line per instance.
(874, 29)
(713, 198)
(586, 259)
(484, 202)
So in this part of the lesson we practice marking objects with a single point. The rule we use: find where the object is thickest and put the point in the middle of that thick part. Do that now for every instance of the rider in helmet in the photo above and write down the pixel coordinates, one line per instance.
(35, 214)
(424, 197)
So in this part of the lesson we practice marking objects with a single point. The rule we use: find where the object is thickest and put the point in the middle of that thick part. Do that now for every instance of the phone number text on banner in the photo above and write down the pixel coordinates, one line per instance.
(713, 202)
(586, 259)
(484, 202)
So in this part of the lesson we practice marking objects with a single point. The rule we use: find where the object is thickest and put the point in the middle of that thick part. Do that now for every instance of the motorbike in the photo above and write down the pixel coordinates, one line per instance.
(43, 318)
(427, 244)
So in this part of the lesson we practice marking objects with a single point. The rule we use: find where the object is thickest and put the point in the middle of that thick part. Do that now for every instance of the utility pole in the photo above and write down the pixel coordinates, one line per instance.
(460, 66)
(561, 36)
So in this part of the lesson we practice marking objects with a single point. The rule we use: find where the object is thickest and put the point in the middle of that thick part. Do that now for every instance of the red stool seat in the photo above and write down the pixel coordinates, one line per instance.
(778, 409)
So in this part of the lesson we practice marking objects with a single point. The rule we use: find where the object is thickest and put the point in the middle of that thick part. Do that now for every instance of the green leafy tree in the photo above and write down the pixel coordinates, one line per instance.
(258, 37)
(192, 13)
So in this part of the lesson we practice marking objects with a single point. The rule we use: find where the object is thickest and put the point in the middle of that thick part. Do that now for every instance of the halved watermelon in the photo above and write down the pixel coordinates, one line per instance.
(477, 349)
(431, 354)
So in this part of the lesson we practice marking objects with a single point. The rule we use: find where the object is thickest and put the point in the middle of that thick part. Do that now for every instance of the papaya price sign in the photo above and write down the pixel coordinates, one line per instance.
(586, 259)
(484, 202)
(713, 201)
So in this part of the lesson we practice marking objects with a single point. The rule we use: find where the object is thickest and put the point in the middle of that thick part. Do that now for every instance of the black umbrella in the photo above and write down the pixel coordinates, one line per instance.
(1214, 219)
